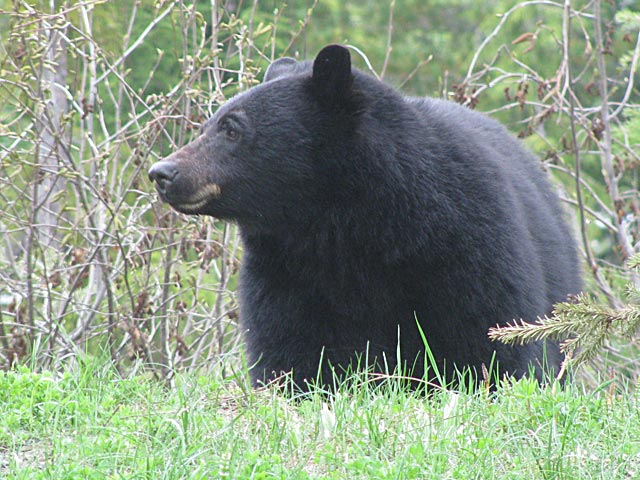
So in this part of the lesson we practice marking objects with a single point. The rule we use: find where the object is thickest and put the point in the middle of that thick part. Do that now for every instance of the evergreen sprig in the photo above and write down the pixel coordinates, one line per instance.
(582, 324)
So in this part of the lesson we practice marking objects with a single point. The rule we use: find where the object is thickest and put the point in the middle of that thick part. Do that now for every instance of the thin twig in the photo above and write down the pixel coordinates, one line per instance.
(387, 54)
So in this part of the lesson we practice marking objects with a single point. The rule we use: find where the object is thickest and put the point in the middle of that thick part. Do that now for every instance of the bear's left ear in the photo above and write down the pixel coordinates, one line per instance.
(332, 77)
(280, 68)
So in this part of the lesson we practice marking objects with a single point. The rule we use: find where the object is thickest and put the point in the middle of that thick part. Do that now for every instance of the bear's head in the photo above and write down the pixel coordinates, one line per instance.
(269, 156)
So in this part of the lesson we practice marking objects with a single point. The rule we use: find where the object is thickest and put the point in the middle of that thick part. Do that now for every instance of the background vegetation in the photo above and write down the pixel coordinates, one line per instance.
(93, 92)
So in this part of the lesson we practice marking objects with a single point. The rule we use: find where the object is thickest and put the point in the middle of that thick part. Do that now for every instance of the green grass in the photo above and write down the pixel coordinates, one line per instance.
(89, 423)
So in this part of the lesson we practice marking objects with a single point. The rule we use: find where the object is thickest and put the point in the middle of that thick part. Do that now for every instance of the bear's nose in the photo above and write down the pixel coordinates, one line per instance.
(163, 174)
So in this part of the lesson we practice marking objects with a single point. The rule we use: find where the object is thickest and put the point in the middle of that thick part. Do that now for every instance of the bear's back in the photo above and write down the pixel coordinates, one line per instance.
(534, 199)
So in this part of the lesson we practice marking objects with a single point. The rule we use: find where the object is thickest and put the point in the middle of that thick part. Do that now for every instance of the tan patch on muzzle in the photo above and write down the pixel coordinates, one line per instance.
(202, 196)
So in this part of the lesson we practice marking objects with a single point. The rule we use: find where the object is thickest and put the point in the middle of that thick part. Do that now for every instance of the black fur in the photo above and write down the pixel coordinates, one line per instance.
(361, 210)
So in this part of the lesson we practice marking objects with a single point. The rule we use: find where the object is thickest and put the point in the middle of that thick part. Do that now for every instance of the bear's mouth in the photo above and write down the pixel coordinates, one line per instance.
(193, 204)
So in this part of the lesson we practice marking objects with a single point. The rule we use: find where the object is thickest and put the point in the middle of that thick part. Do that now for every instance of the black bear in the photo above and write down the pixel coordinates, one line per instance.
(369, 220)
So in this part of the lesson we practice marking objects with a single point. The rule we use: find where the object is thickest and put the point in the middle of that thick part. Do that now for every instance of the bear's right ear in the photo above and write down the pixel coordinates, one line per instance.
(332, 77)
(279, 68)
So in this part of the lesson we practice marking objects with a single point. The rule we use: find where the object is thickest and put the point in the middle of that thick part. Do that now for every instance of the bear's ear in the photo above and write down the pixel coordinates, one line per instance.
(280, 68)
(332, 73)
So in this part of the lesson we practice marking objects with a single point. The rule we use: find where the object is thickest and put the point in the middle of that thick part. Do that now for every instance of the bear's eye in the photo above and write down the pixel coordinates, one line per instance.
(229, 129)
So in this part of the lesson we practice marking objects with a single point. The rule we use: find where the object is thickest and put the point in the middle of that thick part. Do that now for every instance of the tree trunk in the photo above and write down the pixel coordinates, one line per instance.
(54, 140)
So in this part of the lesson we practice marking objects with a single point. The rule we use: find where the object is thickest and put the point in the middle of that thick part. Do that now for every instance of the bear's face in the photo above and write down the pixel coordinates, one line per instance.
(262, 158)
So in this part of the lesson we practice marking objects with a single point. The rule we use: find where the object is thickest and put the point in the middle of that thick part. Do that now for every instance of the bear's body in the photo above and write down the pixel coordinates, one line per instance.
(362, 211)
